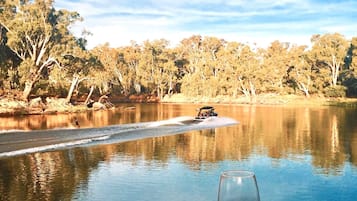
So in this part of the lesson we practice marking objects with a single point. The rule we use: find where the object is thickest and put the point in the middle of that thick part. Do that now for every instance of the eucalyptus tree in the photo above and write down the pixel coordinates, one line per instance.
(190, 52)
(157, 67)
(203, 65)
(120, 68)
(76, 67)
(276, 65)
(9, 79)
(84, 66)
(350, 71)
(191, 49)
(227, 61)
(128, 62)
(300, 72)
(329, 51)
(211, 66)
(353, 55)
(3, 57)
(38, 34)
(108, 58)
(172, 71)
(211, 46)
(244, 67)
(128, 66)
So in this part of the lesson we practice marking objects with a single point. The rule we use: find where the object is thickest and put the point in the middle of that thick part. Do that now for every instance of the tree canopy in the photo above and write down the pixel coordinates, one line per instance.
(41, 57)
(39, 35)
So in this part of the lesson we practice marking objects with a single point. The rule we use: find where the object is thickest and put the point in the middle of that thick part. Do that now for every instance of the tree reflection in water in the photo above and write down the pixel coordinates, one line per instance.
(328, 134)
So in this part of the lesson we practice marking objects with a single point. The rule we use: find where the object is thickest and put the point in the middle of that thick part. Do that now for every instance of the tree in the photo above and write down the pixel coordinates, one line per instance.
(202, 71)
(8, 63)
(353, 66)
(82, 66)
(329, 51)
(211, 46)
(157, 67)
(129, 58)
(191, 48)
(276, 65)
(245, 68)
(108, 58)
(38, 34)
(76, 66)
(211, 66)
(350, 71)
(190, 54)
(300, 71)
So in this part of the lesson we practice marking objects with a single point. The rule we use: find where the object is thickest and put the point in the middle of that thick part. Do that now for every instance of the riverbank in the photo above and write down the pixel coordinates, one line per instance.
(10, 107)
(263, 99)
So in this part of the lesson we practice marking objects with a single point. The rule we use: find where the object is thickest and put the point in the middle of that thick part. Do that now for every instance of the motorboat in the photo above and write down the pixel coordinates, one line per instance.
(205, 112)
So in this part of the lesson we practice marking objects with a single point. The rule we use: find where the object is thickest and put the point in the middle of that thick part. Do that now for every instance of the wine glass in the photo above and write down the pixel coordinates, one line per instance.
(237, 185)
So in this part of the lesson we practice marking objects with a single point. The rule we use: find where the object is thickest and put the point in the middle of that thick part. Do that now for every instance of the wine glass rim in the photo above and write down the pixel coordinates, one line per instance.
(237, 173)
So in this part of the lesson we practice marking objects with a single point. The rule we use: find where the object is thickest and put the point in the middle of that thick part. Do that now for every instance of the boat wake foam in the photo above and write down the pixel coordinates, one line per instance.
(24, 142)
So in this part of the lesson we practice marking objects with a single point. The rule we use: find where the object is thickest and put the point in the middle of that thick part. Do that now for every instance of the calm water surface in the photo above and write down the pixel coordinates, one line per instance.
(297, 153)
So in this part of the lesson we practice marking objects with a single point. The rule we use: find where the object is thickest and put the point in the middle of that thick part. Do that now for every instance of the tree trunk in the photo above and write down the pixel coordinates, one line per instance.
(161, 93)
(89, 95)
(304, 88)
(137, 88)
(253, 98)
(27, 90)
(335, 68)
(158, 91)
(71, 89)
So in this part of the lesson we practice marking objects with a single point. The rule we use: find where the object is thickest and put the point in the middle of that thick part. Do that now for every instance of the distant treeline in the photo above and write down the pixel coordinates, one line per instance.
(39, 56)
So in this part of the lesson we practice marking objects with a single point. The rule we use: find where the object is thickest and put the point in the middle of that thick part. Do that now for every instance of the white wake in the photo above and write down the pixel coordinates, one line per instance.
(23, 142)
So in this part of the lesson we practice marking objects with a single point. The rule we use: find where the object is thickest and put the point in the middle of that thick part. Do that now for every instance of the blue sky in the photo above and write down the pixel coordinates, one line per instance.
(248, 21)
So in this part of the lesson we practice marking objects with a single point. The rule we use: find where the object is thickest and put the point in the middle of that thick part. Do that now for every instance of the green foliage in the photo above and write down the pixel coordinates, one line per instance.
(38, 35)
(329, 51)
(8, 63)
(26, 69)
(42, 88)
(192, 85)
(335, 91)
(276, 60)
(38, 53)
(58, 80)
(353, 56)
(156, 69)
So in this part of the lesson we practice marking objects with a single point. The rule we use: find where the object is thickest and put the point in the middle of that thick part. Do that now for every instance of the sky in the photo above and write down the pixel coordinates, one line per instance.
(254, 22)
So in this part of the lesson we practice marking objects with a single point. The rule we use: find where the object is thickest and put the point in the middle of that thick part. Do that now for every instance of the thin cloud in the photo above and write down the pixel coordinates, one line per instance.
(118, 22)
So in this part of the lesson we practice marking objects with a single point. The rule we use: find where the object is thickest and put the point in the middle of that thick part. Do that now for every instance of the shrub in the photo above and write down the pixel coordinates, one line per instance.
(335, 91)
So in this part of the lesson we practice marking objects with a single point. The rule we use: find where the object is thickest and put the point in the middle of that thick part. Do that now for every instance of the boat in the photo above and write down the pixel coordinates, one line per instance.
(206, 112)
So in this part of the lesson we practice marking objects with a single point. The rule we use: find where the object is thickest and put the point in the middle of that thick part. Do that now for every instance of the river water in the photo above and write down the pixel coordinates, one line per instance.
(297, 153)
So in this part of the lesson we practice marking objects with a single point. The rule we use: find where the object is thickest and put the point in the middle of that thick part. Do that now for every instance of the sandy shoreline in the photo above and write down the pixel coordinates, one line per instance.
(264, 99)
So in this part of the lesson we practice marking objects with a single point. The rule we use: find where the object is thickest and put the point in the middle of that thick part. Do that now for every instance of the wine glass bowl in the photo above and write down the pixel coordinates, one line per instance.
(237, 185)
